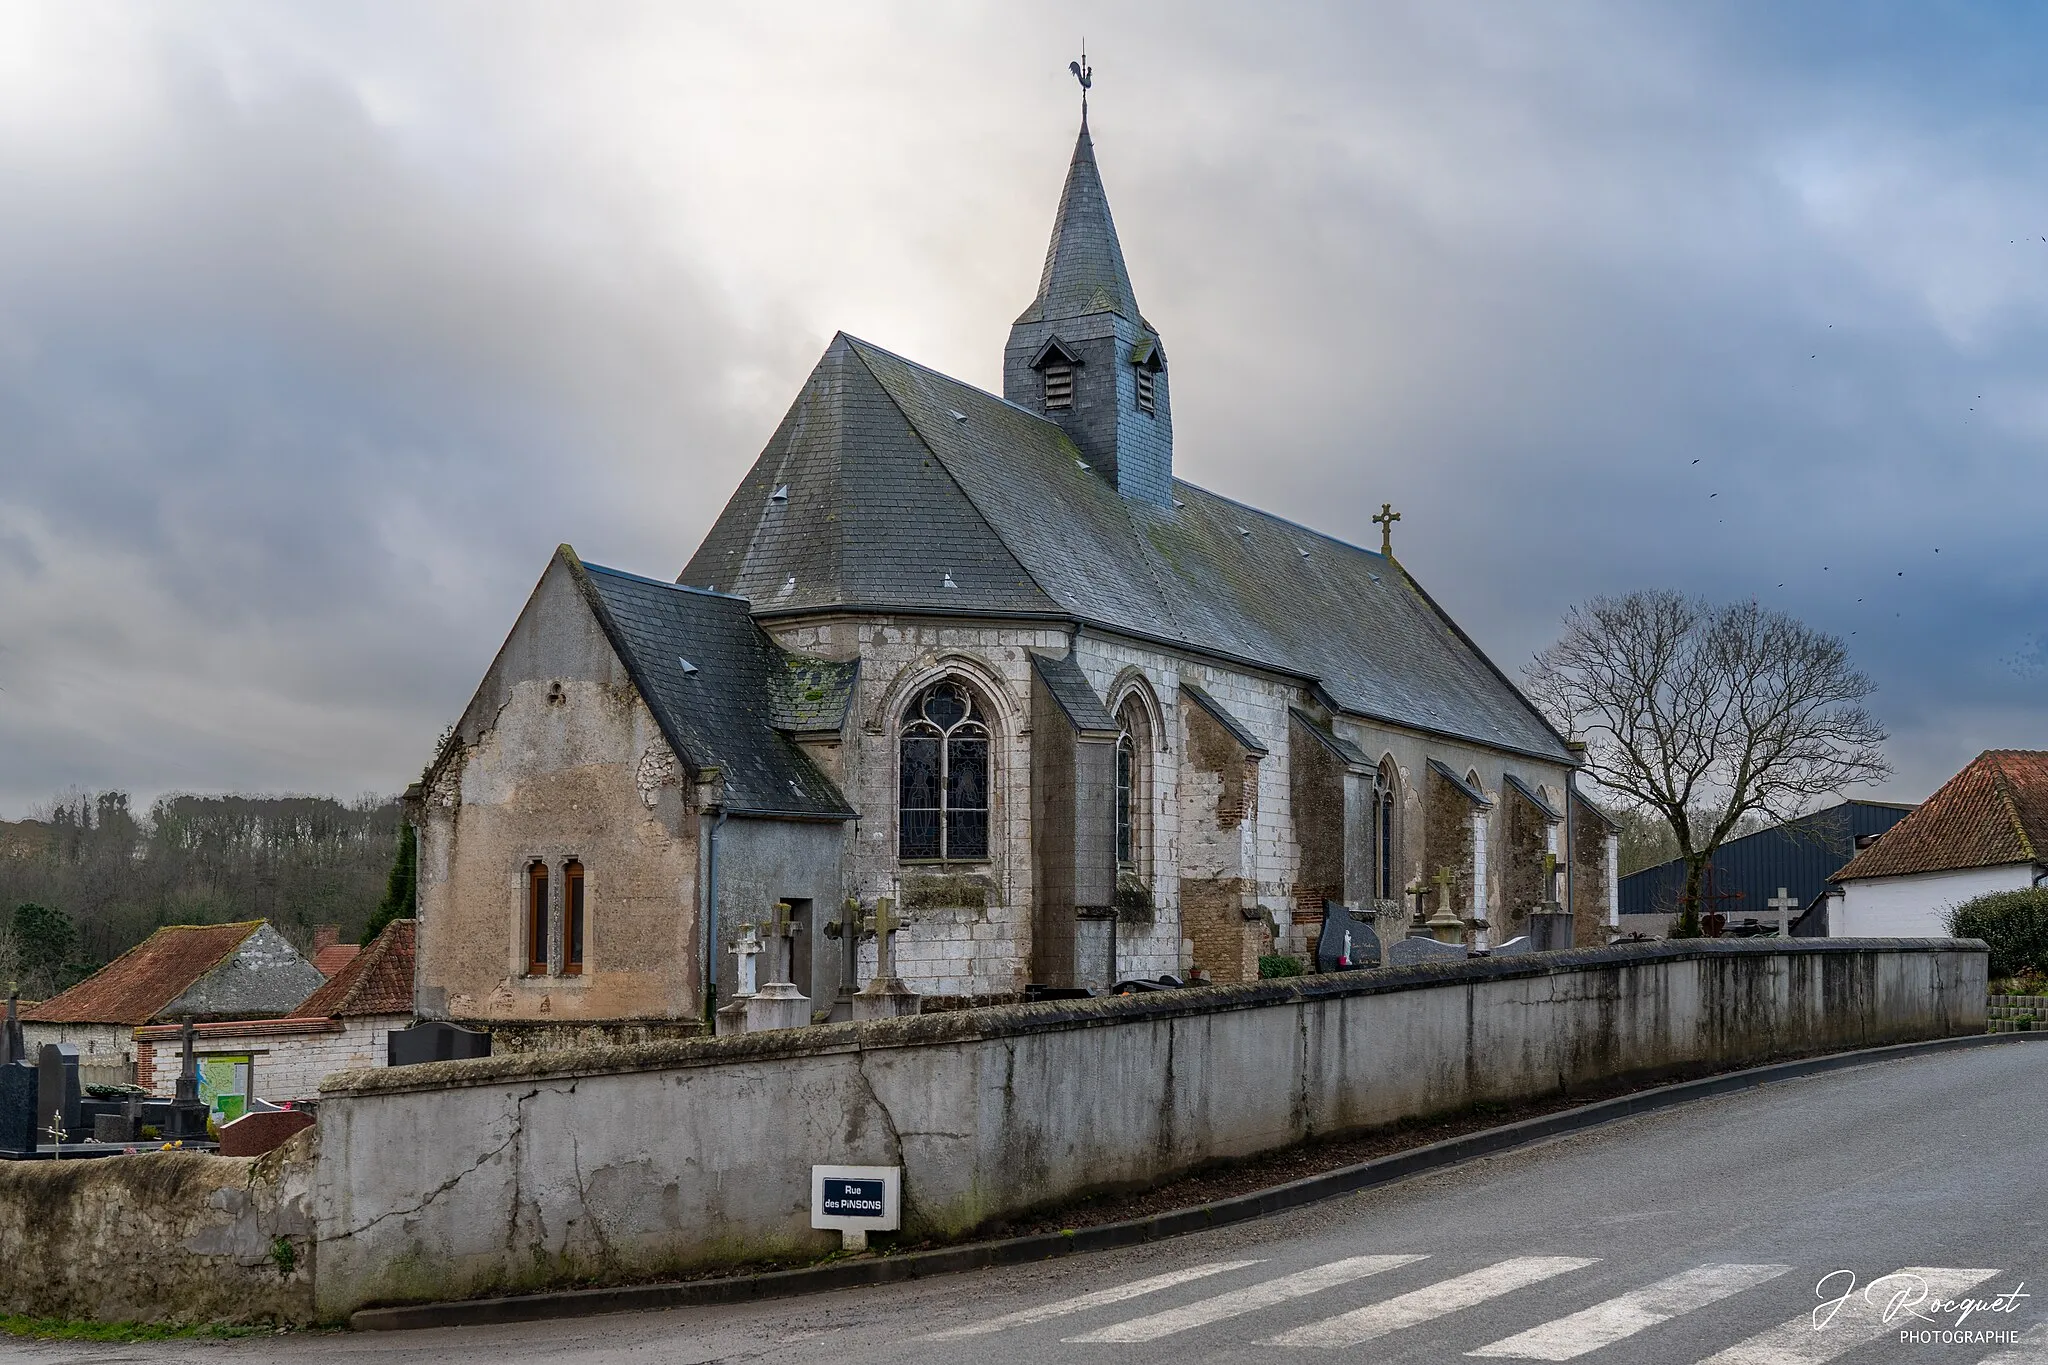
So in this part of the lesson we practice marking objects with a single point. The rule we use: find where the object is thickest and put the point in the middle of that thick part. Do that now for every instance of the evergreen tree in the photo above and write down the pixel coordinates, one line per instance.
(402, 891)
(44, 940)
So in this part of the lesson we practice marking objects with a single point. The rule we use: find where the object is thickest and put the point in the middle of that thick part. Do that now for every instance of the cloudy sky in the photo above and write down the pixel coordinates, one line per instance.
(321, 325)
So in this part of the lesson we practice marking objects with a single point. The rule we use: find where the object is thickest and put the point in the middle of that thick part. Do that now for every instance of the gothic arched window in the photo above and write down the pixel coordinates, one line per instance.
(942, 796)
(1385, 802)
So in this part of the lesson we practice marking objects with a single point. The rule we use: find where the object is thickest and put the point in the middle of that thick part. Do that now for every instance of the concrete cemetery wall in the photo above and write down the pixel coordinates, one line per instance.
(163, 1237)
(461, 1178)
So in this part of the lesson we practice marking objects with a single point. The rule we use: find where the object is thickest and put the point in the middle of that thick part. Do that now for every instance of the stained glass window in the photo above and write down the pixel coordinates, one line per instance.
(942, 796)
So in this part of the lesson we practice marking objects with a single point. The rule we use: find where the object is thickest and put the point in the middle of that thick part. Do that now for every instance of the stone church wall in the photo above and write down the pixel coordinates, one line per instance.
(558, 758)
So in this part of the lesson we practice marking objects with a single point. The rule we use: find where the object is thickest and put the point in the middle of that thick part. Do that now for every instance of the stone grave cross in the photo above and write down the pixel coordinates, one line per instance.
(783, 928)
(744, 951)
(1784, 903)
(1444, 925)
(886, 997)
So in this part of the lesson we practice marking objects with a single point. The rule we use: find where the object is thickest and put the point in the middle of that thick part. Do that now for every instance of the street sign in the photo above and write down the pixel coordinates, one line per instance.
(857, 1198)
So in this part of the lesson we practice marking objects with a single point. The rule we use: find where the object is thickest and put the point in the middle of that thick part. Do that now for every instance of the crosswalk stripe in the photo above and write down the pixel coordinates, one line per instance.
(2031, 1350)
(1100, 1298)
(1431, 1301)
(1814, 1337)
(1627, 1314)
(1247, 1300)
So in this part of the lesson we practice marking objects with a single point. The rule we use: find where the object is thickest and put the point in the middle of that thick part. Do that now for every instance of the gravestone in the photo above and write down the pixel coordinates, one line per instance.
(434, 1040)
(886, 997)
(57, 1094)
(188, 1112)
(1518, 944)
(848, 930)
(112, 1128)
(1550, 928)
(778, 1003)
(1412, 950)
(17, 1108)
(1347, 942)
(12, 1046)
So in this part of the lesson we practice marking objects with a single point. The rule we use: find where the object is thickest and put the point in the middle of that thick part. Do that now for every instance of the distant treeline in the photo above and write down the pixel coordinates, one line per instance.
(297, 861)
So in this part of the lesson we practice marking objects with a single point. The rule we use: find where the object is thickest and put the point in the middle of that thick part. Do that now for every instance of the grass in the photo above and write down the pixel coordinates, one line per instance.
(74, 1329)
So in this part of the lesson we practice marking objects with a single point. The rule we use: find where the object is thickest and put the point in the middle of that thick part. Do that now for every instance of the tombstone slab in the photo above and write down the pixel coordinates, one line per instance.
(1412, 950)
(1513, 947)
(1347, 941)
(17, 1107)
(112, 1128)
(434, 1041)
(1550, 928)
(58, 1095)
(255, 1134)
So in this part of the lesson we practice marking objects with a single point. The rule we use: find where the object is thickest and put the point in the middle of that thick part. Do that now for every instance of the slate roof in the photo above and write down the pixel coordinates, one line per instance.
(377, 980)
(1993, 812)
(1334, 742)
(136, 986)
(909, 491)
(1070, 688)
(1246, 740)
(1534, 797)
(717, 685)
(1471, 793)
(1084, 263)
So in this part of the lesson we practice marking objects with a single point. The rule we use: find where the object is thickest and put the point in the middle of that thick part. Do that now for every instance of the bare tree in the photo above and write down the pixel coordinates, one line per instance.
(1707, 716)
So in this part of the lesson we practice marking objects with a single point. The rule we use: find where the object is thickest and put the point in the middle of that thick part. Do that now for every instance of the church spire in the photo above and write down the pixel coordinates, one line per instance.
(1084, 263)
(1082, 354)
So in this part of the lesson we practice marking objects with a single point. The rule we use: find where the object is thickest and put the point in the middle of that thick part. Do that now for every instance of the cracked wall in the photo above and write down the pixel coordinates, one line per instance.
(616, 1164)
(558, 758)
(164, 1237)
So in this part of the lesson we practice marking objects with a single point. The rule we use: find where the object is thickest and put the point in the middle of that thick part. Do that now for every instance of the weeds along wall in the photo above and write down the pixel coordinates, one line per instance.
(506, 1174)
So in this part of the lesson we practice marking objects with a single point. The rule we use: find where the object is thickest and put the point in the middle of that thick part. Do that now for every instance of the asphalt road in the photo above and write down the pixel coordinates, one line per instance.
(1700, 1234)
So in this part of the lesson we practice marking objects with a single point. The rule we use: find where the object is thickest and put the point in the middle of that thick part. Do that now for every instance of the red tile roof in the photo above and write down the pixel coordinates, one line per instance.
(334, 957)
(378, 980)
(1993, 812)
(134, 986)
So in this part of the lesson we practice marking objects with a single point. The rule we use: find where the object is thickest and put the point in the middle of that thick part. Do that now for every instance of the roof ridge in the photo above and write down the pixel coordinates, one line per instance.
(1303, 527)
(660, 582)
(2003, 783)
(864, 344)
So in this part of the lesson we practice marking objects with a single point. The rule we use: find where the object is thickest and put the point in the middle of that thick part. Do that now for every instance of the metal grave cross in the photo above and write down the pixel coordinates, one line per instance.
(1784, 903)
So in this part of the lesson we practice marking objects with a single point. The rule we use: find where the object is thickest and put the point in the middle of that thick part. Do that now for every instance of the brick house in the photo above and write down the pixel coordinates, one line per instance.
(986, 655)
(339, 1027)
(182, 971)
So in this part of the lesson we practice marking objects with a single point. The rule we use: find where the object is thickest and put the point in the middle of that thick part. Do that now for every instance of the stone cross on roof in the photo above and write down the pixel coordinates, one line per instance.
(1385, 521)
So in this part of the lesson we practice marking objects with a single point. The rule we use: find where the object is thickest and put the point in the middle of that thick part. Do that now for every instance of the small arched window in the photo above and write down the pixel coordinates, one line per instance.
(1133, 784)
(572, 919)
(537, 919)
(1385, 801)
(942, 796)
(1126, 815)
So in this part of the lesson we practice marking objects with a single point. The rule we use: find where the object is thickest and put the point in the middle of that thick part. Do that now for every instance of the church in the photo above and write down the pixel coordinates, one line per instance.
(983, 655)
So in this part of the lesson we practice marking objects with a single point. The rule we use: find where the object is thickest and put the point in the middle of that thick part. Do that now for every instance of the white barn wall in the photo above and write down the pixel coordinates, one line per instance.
(1917, 905)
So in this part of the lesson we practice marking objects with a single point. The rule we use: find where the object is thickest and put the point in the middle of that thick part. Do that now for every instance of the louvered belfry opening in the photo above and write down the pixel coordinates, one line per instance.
(1059, 387)
(1146, 380)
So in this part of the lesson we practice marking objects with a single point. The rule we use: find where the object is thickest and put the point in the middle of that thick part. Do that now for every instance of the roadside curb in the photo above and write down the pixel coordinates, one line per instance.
(1224, 1212)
